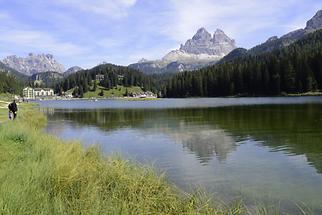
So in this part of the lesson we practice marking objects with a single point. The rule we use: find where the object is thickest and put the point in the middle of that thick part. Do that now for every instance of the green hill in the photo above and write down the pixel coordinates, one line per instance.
(114, 80)
(118, 91)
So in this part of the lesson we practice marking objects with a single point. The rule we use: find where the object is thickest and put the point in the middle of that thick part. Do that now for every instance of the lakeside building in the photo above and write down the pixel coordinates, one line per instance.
(99, 77)
(143, 95)
(38, 93)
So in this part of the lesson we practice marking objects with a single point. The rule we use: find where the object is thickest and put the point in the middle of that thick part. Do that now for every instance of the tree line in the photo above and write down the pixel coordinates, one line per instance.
(9, 84)
(109, 77)
(293, 69)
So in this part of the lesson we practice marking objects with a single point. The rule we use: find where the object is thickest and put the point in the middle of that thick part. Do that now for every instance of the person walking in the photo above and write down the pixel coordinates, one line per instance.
(13, 110)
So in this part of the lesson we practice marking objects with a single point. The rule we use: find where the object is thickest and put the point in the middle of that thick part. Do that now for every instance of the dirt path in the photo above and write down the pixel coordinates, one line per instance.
(3, 111)
(4, 104)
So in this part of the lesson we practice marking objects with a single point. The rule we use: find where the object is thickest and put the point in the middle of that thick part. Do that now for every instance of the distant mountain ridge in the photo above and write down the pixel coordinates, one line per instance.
(19, 76)
(272, 43)
(33, 64)
(72, 70)
(201, 50)
(294, 69)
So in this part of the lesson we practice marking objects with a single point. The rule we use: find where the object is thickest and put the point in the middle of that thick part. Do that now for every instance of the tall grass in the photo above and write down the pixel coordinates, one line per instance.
(40, 174)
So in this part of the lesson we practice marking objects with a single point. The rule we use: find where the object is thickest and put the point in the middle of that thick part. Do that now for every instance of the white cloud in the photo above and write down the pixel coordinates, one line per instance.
(38, 41)
(107, 8)
(237, 18)
(123, 31)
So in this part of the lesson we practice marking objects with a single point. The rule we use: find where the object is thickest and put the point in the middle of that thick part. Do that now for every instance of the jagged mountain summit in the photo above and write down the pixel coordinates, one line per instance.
(315, 23)
(201, 50)
(203, 43)
(33, 64)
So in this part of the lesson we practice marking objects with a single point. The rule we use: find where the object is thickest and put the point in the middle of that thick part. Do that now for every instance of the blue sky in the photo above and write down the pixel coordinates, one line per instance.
(88, 32)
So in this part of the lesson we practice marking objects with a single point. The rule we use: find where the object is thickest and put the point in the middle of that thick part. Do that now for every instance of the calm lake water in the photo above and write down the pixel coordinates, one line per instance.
(261, 150)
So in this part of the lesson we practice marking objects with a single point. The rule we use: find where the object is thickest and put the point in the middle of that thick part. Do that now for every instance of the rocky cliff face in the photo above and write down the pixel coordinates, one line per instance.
(33, 64)
(315, 23)
(203, 43)
(201, 50)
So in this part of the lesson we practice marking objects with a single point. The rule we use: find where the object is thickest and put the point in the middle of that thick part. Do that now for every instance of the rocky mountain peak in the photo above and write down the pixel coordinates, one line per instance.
(50, 56)
(271, 39)
(34, 63)
(219, 31)
(201, 50)
(315, 23)
(201, 35)
(143, 60)
(204, 43)
(220, 37)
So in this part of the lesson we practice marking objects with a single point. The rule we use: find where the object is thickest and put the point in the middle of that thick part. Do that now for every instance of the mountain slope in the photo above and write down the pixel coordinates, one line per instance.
(11, 81)
(33, 64)
(273, 43)
(72, 70)
(46, 79)
(19, 76)
(201, 50)
(239, 52)
(312, 25)
(296, 68)
(108, 76)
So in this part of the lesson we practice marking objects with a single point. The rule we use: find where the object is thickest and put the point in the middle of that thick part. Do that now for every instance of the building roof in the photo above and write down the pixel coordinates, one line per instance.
(27, 88)
(44, 89)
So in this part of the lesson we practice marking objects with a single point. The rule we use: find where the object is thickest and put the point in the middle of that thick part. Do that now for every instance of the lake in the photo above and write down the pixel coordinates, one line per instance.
(262, 150)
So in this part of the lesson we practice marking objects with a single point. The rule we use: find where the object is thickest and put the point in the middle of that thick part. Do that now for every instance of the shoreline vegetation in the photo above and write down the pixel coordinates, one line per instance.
(306, 94)
(40, 174)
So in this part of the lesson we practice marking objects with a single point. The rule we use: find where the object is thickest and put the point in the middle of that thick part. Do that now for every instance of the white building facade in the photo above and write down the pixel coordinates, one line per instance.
(28, 93)
(38, 93)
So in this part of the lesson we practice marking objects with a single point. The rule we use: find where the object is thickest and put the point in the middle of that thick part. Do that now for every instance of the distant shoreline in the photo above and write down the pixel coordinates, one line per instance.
(307, 94)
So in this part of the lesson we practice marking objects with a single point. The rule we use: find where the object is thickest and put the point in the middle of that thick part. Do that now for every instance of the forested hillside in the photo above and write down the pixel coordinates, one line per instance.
(293, 69)
(112, 75)
(9, 84)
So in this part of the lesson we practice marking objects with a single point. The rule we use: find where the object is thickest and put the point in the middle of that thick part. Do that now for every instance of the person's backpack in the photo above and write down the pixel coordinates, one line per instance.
(14, 107)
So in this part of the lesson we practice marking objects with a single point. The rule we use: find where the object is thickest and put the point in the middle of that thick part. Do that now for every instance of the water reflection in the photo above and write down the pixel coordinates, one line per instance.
(294, 129)
(203, 140)
(257, 152)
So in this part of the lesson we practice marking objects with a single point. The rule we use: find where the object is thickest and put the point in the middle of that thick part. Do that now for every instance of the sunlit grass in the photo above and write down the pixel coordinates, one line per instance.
(40, 174)
(118, 91)
(6, 97)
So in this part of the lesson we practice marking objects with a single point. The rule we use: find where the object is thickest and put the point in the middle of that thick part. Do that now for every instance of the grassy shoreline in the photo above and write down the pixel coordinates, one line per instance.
(40, 174)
